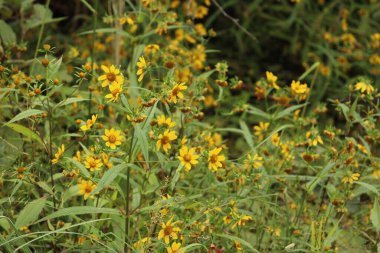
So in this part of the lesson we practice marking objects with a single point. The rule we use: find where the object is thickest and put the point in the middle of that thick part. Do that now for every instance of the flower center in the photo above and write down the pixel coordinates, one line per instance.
(187, 157)
(168, 230)
(165, 140)
(93, 164)
(115, 92)
(112, 138)
(175, 91)
(111, 77)
(88, 189)
(214, 158)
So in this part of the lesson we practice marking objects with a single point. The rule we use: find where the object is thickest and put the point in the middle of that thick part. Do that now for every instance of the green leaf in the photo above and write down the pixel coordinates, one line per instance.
(79, 210)
(234, 238)
(69, 101)
(368, 187)
(375, 215)
(247, 134)
(142, 141)
(287, 111)
(25, 131)
(6, 34)
(256, 111)
(80, 166)
(25, 114)
(30, 212)
(108, 177)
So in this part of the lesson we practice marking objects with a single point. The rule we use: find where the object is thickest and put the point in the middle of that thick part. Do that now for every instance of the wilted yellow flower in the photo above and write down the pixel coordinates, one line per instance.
(151, 49)
(242, 221)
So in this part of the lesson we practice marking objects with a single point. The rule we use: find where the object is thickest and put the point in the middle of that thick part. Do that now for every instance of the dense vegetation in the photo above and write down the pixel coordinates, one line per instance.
(189, 126)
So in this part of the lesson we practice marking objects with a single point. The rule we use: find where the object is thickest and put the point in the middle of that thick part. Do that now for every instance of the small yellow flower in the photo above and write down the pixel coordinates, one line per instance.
(115, 90)
(165, 139)
(187, 157)
(168, 231)
(151, 49)
(93, 163)
(142, 65)
(176, 93)
(163, 121)
(112, 76)
(299, 90)
(364, 87)
(175, 248)
(242, 221)
(275, 139)
(313, 138)
(253, 162)
(272, 79)
(112, 138)
(58, 155)
(86, 187)
(261, 129)
(89, 123)
(350, 179)
(214, 159)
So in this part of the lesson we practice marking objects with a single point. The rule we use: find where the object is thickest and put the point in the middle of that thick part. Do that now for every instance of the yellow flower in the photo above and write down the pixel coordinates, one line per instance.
(86, 187)
(272, 79)
(112, 76)
(275, 139)
(168, 231)
(214, 159)
(187, 157)
(261, 129)
(93, 163)
(313, 138)
(142, 67)
(112, 138)
(115, 90)
(299, 90)
(58, 155)
(162, 121)
(106, 160)
(151, 49)
(176, 93)
(364, 87)
(350, 179)
(165, 139)
(89, 123)
(376, 174)
(253, 162)
(175, 248)
(241, 221)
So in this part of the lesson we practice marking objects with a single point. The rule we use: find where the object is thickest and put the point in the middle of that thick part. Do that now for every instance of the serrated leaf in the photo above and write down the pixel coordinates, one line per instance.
(30, 212)
(287, 111)
(247, 134)
(25, 131)
(25, 114)
(80, 166)
(142, 142)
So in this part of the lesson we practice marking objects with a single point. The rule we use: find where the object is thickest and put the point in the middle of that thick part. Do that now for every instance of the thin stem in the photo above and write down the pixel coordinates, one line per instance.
(126, 248)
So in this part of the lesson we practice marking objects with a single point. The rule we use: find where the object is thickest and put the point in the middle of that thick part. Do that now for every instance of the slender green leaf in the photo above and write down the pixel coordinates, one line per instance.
(30, 212)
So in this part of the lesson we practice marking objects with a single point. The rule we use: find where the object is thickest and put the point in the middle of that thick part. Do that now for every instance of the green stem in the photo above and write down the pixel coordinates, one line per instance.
(126, 248)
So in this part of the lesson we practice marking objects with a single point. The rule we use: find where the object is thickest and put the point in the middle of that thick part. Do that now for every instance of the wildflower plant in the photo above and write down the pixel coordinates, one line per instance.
(127, 137)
